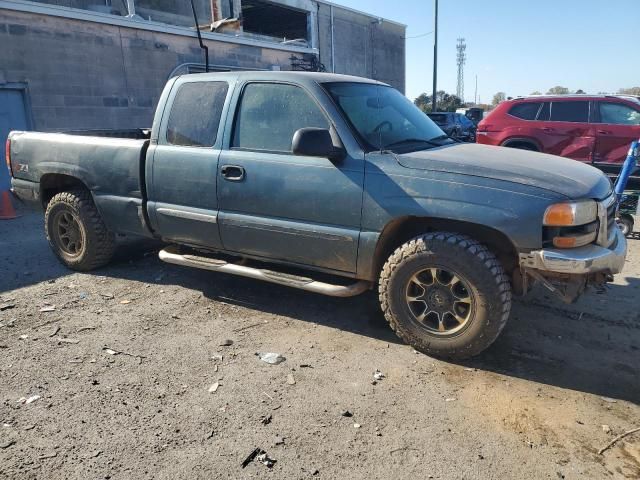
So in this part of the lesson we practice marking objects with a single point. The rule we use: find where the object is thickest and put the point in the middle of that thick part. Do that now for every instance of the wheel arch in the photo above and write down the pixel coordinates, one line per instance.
(513, 142)
(403, 229)
(54, 183)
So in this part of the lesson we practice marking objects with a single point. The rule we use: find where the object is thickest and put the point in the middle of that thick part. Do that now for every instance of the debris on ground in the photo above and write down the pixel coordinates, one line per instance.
(278, 440)
(609, 400)
(271, 358)
(214, 388)
(55, 331)
(378, 375)
(48, 455)
(6, 306)
(28, 400)
(108, 296)
(266, 419)
(69, 340)
(216, 357)
(125, 302)
(226, 343)
(606, 428)
(346, 413)
(356, 425)
(291, 380)
(48, 308)
(261, 456)
(615, 440)
(265, 460)
(450, 399)
(7, 444)
(111, 352)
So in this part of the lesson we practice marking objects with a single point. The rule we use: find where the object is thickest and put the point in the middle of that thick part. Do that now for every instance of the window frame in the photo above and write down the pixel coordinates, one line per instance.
(598, 117)
(535, 117)
(238, 105)
(589, 111)
(171, 104)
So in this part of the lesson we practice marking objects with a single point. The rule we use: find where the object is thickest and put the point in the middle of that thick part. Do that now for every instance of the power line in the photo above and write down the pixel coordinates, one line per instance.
(419, 36)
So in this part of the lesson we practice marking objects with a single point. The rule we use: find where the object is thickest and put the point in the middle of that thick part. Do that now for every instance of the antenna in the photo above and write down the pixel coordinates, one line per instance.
(202, 45)
(461, 58)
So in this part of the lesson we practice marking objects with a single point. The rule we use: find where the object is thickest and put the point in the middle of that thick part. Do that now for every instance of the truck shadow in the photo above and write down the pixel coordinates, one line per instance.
(592, 346)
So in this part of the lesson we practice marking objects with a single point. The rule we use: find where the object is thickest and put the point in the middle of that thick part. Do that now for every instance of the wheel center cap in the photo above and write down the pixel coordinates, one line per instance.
(438, 299)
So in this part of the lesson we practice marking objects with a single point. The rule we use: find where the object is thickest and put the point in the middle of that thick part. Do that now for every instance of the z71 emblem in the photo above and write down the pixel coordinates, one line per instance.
(23, 167)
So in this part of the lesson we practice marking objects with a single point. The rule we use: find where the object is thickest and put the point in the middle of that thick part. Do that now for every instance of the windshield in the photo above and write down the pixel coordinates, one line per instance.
(439, 118)
(383, 117)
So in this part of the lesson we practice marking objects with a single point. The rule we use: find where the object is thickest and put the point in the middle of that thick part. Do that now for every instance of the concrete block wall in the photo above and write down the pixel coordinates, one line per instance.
(363, 46)
(84, 75)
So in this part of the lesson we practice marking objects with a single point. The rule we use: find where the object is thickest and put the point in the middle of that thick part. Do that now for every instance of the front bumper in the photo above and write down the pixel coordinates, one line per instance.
(581, 261)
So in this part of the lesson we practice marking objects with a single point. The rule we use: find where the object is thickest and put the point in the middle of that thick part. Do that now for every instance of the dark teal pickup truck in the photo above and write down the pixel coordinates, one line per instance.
(267, 174)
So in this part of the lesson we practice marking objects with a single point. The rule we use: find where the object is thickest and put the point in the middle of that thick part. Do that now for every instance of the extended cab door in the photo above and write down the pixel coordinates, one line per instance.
(181, 168)
(618, 124)
(303, 210)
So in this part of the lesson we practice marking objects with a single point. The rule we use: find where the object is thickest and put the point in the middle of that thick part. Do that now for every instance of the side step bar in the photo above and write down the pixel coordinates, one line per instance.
(172, 254)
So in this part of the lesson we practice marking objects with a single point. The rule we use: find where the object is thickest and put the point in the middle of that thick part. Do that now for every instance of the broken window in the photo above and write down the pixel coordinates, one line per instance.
(274, 20)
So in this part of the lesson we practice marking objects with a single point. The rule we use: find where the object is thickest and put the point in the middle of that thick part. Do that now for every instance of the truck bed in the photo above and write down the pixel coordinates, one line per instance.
(110, 167)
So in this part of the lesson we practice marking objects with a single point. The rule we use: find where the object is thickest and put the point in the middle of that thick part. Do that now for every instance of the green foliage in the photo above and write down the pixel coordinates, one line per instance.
(445, 102)
(499, 97)
(558, 90)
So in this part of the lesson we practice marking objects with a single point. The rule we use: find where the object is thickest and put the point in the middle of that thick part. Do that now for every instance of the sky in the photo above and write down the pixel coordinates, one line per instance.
(518, 46)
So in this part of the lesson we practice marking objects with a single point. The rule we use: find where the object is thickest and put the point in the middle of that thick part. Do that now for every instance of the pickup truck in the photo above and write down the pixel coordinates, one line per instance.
(335, 185)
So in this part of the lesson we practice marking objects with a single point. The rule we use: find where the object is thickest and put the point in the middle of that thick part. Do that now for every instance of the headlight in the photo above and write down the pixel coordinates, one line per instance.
(571, 214)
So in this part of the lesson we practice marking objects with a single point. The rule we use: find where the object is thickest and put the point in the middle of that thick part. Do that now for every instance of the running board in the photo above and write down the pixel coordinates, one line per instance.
(172, 255)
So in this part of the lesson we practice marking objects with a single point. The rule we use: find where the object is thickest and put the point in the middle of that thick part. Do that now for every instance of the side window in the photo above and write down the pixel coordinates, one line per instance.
(545, 112)
(195, 114)
(570, 112)
(618, 114)
(525, 111)
(270, 114)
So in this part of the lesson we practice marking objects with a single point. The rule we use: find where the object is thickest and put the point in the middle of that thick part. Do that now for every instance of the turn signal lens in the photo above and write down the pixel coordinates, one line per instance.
(571, 214)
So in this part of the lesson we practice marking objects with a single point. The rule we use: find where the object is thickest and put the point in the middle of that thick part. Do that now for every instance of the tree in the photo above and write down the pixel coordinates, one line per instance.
(580, 92)
(445, 102)
(630, 91)
(499, 97)
(536, 93)
(558, 90)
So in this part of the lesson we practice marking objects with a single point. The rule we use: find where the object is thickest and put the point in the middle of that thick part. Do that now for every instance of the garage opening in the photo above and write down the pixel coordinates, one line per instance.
(273, 20)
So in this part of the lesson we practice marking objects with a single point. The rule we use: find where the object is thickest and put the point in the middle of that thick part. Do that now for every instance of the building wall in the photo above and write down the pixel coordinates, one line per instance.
(85, 75)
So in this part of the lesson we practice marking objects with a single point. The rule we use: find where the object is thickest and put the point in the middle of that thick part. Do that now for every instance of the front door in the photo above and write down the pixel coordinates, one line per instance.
(304, 210)
(618, 126)
(182, 167)
(13, 116)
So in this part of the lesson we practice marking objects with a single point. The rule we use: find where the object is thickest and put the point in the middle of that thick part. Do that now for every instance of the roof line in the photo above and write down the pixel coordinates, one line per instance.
(349, 9)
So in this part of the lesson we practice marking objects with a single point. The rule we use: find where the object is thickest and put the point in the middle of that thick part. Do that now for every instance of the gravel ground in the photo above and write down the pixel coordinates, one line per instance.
(118, 377)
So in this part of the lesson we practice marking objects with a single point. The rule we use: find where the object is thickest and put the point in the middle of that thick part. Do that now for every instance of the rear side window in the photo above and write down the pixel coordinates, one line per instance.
(525, 111)
(269, 115)
(618, 114)
(195, 114)
(570, 112)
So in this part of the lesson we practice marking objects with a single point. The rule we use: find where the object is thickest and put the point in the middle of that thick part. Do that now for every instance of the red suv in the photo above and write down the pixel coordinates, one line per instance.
(589, 128)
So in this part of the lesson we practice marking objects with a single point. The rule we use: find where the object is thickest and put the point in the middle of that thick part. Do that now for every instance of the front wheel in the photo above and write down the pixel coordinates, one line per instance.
(446, 295)
(626, 224)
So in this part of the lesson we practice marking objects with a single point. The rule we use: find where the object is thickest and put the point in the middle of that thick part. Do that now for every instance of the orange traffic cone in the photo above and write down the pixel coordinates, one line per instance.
(7, 212)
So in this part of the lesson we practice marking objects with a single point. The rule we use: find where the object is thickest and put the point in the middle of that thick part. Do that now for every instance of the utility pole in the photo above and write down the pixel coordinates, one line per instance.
(475, 95)
(435, 62)
(461, 58)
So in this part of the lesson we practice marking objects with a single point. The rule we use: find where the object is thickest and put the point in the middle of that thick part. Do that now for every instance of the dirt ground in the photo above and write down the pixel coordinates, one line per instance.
(124, 363)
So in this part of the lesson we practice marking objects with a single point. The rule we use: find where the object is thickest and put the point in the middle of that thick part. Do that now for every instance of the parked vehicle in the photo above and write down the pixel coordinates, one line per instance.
(455, 125)
(629, 212)
(593, 129)
(337, 175)
(475, 114)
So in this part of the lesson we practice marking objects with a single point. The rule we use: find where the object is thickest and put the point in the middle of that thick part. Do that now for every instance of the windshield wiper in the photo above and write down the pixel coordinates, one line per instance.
(408, 141)
(445, 137)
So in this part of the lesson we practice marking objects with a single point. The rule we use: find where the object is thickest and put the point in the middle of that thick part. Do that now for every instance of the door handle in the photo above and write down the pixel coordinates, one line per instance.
(233, 173)
(605, 132)
(547, 129)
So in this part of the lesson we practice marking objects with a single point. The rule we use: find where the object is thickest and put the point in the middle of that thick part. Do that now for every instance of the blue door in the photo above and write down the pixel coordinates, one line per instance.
(13, 116)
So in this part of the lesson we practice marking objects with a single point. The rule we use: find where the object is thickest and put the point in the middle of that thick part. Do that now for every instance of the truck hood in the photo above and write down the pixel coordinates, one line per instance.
(548, 172)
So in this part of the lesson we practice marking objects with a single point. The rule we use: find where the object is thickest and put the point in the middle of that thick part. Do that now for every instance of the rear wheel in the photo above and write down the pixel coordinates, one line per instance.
(522, 146)
(446, 295)
(76, 231)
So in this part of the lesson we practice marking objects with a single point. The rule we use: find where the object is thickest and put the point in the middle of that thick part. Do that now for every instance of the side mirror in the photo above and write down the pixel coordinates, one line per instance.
(316, 142)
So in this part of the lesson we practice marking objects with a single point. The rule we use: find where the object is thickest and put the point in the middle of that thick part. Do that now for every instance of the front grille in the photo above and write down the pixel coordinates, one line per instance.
(607, 219)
